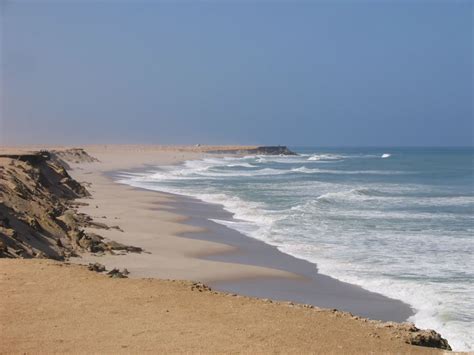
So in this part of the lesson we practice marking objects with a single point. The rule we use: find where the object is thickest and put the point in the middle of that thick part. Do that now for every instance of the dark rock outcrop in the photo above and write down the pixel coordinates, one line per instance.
(38, 217)
(116, 273)
(426, 337)
(96, 267)
(415, 336)
(273, 150)
(263, 150)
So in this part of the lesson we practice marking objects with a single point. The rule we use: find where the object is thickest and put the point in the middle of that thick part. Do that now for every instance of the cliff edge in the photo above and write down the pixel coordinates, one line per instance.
(38, 216)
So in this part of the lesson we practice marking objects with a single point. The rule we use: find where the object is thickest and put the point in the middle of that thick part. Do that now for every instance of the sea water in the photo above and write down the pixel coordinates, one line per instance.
(396, 221)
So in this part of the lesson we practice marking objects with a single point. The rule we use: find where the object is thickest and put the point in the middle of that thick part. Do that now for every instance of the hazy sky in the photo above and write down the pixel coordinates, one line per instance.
(298, 73)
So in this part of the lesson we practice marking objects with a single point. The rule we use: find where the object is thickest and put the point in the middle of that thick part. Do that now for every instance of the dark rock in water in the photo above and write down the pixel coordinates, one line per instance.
(96, 267)
(274, 150)
(263, 150)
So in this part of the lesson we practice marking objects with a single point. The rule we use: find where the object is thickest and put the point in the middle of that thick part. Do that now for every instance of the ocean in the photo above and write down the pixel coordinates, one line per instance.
(397, 221)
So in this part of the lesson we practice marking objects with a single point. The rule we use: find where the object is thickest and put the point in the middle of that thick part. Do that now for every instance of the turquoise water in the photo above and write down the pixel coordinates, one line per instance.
(396, 221)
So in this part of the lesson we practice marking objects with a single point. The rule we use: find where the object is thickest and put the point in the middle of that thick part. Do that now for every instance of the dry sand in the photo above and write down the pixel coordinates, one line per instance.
(51, 307)
(148, 222)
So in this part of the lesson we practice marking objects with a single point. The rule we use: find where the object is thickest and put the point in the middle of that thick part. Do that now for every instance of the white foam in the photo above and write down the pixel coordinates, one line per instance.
(345, 195)
(304, 170)
(386, 155)
(431, 302)
(317, 157)
(313, 240)
(241, 165)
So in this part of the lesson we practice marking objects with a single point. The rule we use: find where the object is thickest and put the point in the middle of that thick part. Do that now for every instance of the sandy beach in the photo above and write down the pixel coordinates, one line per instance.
(180, 243)
(77, 311)
(147, 220)
(236, 177)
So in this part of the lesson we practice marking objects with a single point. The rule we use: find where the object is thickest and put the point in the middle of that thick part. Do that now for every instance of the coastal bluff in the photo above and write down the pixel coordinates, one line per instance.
(38, 214)
(52, 305)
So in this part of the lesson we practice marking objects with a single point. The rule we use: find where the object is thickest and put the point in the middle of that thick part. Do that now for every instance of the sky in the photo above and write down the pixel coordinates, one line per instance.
(304, 73)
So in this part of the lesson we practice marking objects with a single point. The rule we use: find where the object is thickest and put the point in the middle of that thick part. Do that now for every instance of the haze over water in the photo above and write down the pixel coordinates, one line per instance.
(398, 221)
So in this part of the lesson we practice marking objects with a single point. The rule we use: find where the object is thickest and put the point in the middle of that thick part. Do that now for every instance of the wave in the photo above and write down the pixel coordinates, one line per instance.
(386, 155)
(286, 159)
(231, 167)
(366, 233)
(304, 170)
(394, 200)
(317, 157)
(213, 172)
(338, 157)
(361, 193)
(233, 173)
(431, 302)
(241, 165)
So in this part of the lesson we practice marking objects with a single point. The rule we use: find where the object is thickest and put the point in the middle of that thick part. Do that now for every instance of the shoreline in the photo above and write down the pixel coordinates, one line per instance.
(74, 302)
(283, 276)
(79, 311)
(135, 211)
(310, 287)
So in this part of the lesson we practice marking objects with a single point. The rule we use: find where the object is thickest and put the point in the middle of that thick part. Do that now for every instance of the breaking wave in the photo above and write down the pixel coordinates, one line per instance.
(317, 157)
(361, 219)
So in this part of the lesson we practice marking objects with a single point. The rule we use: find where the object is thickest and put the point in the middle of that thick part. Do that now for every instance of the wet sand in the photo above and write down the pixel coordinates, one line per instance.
(183, 243)
(50, 306)
(312, 288)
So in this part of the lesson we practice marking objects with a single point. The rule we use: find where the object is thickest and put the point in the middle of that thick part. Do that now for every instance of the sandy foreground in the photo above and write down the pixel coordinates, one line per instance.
(49, 306)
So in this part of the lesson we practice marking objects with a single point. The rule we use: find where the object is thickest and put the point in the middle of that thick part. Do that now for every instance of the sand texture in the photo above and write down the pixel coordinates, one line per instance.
(51, 307)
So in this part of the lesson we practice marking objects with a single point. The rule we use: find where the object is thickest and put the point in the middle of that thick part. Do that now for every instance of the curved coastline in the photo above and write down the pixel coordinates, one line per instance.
(311, 287)
(178, 246)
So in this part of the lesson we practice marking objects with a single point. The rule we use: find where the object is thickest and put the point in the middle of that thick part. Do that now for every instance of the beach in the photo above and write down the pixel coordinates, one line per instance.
(179, 242)
(51, 307)
(236, 177)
